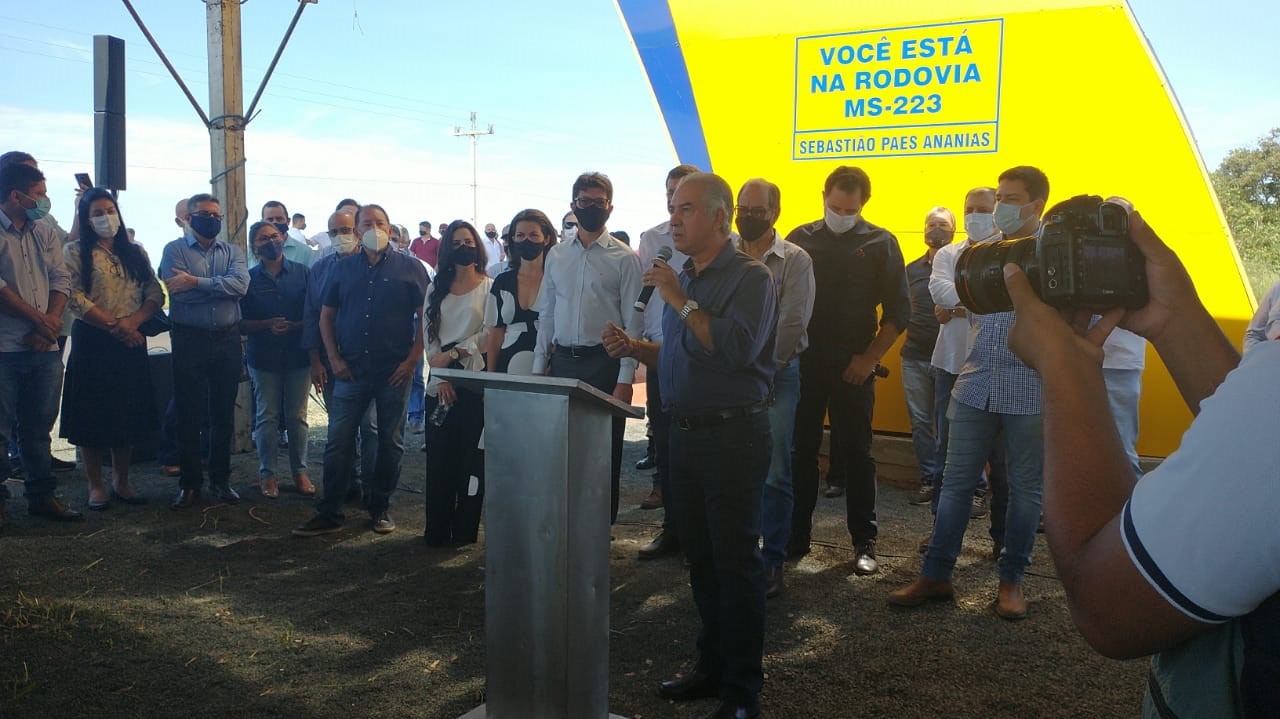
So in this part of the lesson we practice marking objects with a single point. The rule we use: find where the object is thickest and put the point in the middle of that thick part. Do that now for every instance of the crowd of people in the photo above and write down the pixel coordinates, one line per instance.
(752, 342)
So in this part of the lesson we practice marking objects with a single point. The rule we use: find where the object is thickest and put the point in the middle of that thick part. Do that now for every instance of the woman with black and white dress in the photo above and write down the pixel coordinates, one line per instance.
(512, 311)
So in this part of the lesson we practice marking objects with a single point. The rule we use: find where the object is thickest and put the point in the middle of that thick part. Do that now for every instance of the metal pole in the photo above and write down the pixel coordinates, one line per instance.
(302, 4)
(474, 134)
(156, 46)
(226, 144)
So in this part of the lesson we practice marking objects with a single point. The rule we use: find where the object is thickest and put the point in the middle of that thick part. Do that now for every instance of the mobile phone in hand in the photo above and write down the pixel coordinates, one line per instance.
(82, 179)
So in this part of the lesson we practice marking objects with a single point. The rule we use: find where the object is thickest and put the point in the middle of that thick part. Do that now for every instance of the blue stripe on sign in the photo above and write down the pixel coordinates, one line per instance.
(654, 33)
(1152, 570)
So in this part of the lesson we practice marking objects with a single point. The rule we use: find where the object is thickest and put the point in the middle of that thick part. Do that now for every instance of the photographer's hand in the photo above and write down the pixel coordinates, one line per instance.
(1042, 336)
(1190, 342)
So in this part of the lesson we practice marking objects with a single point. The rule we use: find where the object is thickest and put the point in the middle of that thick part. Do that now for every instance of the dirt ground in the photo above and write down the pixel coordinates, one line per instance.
(217, 611)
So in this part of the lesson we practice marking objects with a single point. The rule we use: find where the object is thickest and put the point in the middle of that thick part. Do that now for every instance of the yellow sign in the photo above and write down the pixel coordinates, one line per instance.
(933, 98)
(922, 90)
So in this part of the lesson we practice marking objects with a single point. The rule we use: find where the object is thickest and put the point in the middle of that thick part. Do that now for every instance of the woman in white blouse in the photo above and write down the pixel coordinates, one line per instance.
(107, 402)
(456, 337)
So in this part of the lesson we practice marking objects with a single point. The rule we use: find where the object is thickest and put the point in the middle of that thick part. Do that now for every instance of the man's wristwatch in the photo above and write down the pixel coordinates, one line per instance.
(454, 354)
(688, 309)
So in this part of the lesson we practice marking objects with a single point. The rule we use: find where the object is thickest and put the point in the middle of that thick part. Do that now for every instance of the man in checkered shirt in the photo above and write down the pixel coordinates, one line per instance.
(995, 392)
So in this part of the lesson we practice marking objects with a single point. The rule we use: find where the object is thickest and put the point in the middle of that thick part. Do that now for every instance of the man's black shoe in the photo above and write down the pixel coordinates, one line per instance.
(662, 545)
(647, 463)
(727, 710)
(185, 498)
(224, 493)
(697, 685)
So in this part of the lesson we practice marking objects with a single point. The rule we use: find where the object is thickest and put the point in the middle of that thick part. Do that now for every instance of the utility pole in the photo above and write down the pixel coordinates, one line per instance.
(474, 133)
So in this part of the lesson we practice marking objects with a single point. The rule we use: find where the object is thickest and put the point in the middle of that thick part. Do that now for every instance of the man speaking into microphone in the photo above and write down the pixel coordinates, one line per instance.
(715, 365)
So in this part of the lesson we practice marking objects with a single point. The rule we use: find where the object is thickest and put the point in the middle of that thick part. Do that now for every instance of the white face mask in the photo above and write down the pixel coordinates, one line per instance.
(840, 224)
(570, 235)
(1008, 218)
(105, 226)
(344, 243)
(979, 225)
(375, 240)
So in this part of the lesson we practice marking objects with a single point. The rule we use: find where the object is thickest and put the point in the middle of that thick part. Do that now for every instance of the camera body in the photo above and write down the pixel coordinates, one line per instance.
(1082, 258)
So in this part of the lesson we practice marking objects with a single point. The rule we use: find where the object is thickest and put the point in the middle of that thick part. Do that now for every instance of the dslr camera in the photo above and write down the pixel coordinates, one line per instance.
(1082, 258)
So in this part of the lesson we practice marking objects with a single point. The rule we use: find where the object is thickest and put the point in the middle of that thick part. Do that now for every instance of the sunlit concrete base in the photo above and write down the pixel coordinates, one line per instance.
(479, 713)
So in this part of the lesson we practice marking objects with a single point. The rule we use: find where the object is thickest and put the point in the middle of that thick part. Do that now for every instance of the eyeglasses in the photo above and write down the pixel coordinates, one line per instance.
(584, 202)
(757, 212)
(206, 213)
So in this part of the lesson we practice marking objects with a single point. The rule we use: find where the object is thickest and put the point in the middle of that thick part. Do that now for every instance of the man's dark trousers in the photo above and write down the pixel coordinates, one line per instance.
(594, 366)
(823, 392)
(207, 366)
(660, 425)
(718, 475)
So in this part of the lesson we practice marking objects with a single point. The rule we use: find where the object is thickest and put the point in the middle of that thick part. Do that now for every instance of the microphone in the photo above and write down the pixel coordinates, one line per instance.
(880, 371)
(664, 254)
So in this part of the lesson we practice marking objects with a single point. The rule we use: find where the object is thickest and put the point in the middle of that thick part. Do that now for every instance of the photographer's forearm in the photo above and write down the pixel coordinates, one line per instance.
(1198, 356)
(1087, 478)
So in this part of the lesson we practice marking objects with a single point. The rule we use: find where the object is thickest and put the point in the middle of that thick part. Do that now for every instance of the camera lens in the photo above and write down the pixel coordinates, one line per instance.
(980, 273)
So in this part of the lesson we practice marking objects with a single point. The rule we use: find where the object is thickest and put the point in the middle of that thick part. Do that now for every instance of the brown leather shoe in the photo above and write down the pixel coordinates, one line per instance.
(171, 470)
(1010, 604)
(662, 545)
(774, 582)
(920, 591)
(979, 509)
(654, 500)
(51, 508)
(304, 485)
(267, 485)
(185, 498)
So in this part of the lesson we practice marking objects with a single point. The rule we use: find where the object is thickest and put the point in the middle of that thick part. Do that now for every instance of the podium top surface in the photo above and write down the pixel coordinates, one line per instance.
(536, 385)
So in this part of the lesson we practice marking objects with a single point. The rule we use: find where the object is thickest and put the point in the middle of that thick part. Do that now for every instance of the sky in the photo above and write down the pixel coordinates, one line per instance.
(367, 95)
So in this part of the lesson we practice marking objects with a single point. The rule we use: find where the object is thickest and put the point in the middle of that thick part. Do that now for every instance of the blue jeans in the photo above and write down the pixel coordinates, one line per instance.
(943, 383)
(918, 386)
(779, 498)
(366, 454)
(718, 475)
(973, 435)
(418, 396)
(270, 388)
(350, 404)
(1124, 389)
(30, 388)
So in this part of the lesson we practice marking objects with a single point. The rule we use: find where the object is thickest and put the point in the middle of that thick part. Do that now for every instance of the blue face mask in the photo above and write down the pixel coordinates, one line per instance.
(41, 210)
(1009, 218)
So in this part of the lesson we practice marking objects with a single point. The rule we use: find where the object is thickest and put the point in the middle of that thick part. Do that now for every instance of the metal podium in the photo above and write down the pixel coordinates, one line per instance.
(546, 526)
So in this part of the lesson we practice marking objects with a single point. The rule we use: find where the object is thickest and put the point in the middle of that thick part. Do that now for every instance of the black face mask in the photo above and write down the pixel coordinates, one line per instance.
(751, 229)
(491, 235)
(271, 251)
(465, 255)
(592, 219)
(938, 237)
(529, 250)
(282, 228)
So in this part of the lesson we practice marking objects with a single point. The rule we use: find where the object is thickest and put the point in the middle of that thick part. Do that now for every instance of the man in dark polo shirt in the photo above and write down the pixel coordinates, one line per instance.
(371, 325)
(206, 278)
(715, 365)
(917, 349)
(857, 267)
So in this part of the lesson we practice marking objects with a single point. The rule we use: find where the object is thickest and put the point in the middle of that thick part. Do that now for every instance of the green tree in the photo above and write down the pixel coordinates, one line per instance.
(1248, 186)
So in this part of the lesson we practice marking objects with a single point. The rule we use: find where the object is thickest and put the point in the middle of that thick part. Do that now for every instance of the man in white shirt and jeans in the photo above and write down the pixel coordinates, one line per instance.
(587, 283)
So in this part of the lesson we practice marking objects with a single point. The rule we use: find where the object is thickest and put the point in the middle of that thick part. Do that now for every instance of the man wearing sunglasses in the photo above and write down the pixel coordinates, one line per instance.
(574, 313)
